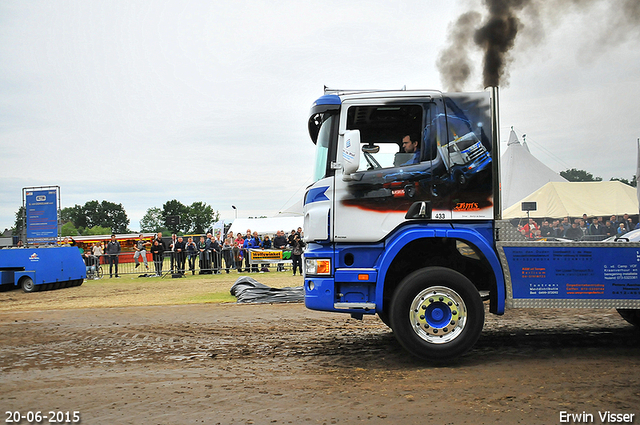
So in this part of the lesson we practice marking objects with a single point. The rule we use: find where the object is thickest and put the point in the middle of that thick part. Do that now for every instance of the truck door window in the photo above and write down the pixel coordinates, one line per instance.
(382, 128)
(326, 123)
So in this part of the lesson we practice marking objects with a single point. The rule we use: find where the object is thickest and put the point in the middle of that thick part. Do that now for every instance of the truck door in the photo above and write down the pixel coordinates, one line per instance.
(374, 199)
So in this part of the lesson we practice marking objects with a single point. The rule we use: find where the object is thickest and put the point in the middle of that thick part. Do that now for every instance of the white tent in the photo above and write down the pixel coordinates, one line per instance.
(572, 199)
(521, 173)
(266, 226)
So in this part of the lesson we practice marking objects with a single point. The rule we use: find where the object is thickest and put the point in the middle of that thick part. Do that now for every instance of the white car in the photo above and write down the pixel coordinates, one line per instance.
(631, 236)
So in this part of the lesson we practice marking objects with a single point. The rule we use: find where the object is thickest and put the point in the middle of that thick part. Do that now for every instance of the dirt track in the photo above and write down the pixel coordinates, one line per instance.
(261, 364)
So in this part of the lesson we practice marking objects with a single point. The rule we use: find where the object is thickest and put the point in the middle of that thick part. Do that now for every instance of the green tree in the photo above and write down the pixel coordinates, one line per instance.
(632, 183)
(152, 221)
(176, 208)
(68, 229)
(574, 175)
(94, 213)
(201, 217)
(114, 216)
(19, 224)
(70, 214)
(97, 230)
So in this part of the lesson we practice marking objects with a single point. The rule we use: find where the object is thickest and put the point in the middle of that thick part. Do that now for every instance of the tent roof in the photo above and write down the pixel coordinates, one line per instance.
(562, 199)
(521, 173)
(266, 226)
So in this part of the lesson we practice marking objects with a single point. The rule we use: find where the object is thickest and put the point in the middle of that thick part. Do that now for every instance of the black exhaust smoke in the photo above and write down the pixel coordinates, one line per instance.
(494, 33)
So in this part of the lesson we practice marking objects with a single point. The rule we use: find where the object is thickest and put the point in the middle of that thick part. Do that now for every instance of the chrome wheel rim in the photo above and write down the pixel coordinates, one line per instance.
(438, 314)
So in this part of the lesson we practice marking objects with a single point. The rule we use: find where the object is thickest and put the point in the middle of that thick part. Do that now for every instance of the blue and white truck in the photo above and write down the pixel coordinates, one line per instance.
(417, 237)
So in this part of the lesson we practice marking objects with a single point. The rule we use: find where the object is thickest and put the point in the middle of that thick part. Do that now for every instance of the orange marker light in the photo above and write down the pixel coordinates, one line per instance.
(363, 277)
(324, 267)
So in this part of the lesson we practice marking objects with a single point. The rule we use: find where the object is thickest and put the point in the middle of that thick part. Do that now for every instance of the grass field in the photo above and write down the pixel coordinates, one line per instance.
(137, 291)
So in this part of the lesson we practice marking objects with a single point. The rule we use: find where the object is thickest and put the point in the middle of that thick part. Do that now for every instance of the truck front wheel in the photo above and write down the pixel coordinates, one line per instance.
(437, 313)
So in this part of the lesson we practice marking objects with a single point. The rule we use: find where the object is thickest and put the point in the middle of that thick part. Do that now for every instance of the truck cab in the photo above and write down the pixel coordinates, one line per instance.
(377, 214)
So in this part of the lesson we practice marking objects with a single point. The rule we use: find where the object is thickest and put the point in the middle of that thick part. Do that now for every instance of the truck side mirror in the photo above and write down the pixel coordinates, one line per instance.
(350, 152)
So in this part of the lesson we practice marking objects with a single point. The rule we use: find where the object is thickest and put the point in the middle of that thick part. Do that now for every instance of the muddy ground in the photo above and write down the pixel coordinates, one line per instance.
(275, 364)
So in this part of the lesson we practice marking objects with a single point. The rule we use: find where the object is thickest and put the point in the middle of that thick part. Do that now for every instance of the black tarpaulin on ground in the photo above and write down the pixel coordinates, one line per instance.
(248, 290)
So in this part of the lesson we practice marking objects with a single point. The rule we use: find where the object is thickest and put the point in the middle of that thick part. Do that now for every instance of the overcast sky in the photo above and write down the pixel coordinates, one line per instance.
(142, 102)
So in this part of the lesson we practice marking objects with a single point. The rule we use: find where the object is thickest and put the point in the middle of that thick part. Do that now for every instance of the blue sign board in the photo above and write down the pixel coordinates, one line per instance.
(42, 215)
(575, 272)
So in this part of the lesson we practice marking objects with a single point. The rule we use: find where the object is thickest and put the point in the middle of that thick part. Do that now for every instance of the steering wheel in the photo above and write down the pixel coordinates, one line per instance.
(373, 163)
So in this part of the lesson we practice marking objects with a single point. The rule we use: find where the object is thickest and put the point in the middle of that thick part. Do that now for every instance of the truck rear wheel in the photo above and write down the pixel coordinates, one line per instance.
(631, 316)
(27, 284)
(437, 313)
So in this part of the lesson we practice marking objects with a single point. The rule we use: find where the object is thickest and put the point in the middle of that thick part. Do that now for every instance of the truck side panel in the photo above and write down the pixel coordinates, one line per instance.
(557, 274)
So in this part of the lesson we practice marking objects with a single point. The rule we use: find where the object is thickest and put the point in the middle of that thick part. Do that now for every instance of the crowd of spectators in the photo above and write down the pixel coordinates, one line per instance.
(593, 228)
(214, 256)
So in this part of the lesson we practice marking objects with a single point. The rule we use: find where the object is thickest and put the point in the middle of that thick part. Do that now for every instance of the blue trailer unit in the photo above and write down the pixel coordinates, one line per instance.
(42, 268)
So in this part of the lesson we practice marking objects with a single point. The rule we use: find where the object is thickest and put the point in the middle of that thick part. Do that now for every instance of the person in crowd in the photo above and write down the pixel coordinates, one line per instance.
(583, 227)
(621, 229)
(112, 251)
(596, 229)
(216, 249)
(256, 244)
(227, 252)
(614, 222)
(266, 242)
(296, 253)
(609, 229)
(558, 230)
(574, 232)
(172, 249)
(628, 224)
(157, 253)
(546, 231)
(566, 224)
(179, 248)
(20, 244)
(238, 243)
(140, 247)
(97, 252)
(89, 263)
(192, 254)
(291, 237)
(246, 246)
(204, 256)
(280, 242)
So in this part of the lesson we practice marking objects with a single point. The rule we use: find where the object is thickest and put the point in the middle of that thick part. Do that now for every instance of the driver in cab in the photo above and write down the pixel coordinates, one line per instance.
(410, 145)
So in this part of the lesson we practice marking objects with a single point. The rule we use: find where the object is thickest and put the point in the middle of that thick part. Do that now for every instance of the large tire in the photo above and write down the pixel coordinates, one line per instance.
(27, 284)
(436, 314)
(384, 316)
(631, 316)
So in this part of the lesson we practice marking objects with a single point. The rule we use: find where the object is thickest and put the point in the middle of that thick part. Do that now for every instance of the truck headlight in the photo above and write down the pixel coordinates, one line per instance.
(318, 266)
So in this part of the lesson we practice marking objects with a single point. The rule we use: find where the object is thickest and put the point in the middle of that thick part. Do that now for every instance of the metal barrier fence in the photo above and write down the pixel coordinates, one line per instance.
(182, 263)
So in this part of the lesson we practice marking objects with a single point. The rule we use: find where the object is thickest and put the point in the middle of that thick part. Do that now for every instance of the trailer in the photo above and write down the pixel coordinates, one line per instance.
(35, 269)
(422, 244)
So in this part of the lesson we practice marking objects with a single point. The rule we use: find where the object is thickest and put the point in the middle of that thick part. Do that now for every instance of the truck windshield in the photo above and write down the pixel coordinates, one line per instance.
(322, 147)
